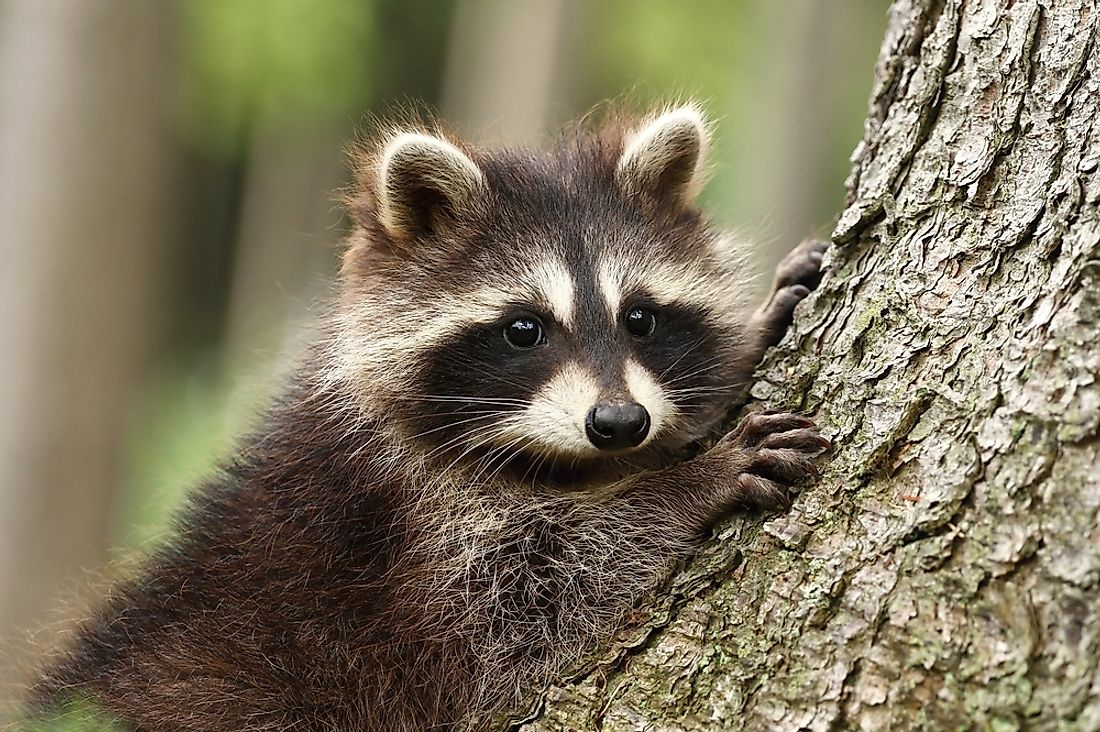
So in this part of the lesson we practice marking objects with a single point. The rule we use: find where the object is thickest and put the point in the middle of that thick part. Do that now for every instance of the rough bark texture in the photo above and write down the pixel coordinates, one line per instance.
(946, 571)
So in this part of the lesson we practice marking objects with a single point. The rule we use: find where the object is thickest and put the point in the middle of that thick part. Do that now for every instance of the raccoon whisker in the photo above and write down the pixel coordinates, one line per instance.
(703, 367)
(519, 436)
(542, 456)
(694, 381)
(463, 399)
(693, 406)
(516, 451)
(710, 431)
(461, 437)
(485, 369)
(490, 433)
(533, 469)
(460, 398)
(493, 450)
(463, 452)
(695, 375)
(681, 357)
(672, 386)
(507, 453)
(693, 391)
(449, 425)
(701, 390)
(456, 413)
(688, 388)
(469, 417)
(695, 409)
(701, 404)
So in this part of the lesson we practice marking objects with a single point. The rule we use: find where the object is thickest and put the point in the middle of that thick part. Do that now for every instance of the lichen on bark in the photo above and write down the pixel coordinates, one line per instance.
(945, 573)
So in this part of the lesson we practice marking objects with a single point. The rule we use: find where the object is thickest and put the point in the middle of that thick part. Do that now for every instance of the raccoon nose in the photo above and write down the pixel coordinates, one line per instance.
(616, 426)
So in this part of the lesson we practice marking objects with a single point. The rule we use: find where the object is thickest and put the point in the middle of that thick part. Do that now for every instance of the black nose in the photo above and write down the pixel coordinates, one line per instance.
(616, 426)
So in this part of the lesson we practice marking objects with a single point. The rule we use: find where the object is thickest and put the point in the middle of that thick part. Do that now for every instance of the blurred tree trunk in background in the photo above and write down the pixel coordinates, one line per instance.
(83, 173)
(946, 572)
(796, 91)
(507, 68)
(289, 225)
(289, 222)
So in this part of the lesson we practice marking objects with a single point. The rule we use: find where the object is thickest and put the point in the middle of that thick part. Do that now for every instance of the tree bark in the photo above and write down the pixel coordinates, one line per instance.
(945, 573)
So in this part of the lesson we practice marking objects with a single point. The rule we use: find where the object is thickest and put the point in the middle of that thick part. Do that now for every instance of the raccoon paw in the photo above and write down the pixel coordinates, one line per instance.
(802, 266)
(798, 274)
(775, 451)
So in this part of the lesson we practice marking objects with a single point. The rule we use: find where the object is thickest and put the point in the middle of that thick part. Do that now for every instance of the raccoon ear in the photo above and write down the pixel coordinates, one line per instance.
(424, 181)
(664, 157)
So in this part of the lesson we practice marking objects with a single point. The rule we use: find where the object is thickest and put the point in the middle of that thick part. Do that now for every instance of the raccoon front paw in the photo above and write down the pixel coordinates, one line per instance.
(796, 276)
(802, 267)
(774, 457)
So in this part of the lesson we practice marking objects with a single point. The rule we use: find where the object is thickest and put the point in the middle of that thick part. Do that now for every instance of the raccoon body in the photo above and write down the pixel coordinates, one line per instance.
(473, 477)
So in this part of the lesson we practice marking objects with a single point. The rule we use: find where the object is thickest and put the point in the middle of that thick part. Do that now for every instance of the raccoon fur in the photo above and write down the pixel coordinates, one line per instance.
(475, 474)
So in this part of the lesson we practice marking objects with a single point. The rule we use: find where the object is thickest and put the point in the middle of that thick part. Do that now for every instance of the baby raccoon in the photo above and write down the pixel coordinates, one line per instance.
(474, 476)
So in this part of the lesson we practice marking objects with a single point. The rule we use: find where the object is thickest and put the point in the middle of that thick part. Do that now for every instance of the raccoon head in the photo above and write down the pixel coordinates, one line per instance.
(542, 308)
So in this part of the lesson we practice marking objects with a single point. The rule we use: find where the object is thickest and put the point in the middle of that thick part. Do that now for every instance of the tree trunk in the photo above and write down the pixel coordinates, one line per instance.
(945, 573)
(505, 68)
(85, 202)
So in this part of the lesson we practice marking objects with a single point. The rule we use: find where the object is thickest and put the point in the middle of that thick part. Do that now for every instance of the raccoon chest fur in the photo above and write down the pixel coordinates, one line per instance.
(475, 474)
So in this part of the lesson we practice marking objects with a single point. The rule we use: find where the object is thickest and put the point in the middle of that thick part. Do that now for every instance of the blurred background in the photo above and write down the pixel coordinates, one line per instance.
(168, 172)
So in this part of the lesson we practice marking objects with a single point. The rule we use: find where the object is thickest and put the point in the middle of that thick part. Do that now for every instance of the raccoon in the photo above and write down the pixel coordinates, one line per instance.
(477, 471)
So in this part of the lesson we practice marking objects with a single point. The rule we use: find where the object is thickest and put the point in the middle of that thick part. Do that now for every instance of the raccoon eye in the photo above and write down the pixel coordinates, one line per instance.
(524, 333)
(640, 322)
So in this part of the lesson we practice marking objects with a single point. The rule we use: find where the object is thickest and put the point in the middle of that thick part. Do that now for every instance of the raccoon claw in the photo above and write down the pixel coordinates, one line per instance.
(778, 450)
(761, 425)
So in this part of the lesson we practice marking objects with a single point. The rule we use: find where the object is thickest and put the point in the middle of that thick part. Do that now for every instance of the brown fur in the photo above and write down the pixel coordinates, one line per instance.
(346, 571)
